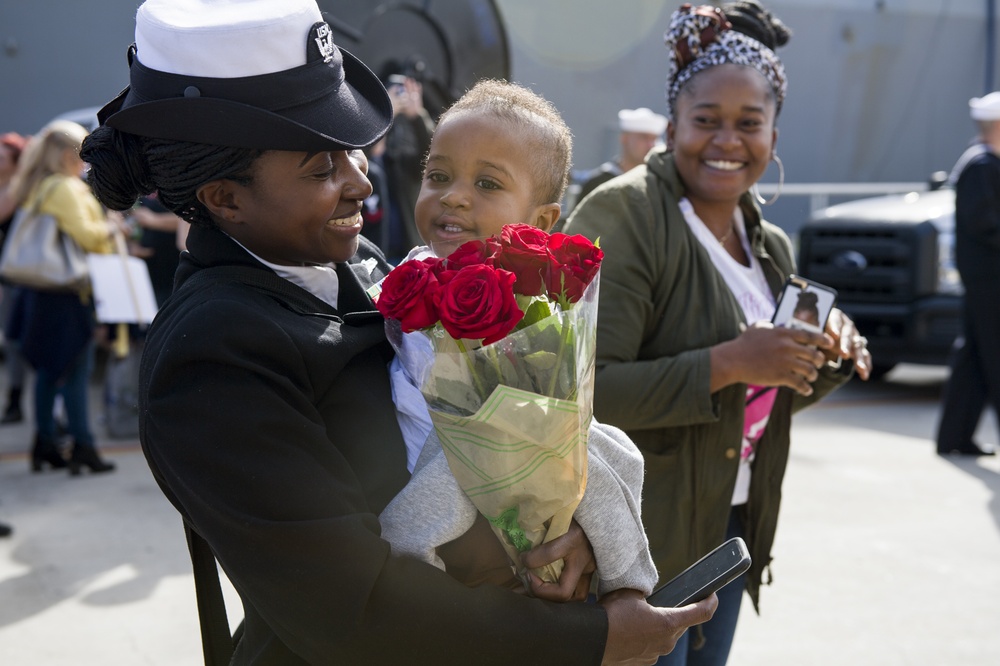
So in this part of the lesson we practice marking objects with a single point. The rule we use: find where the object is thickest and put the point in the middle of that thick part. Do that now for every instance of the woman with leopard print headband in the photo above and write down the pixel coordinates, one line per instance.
(688, 363)
(702, 37)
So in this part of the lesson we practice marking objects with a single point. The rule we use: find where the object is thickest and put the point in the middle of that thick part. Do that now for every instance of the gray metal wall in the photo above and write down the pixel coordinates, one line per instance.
(878, 89)
(874, 94)
(57, 55)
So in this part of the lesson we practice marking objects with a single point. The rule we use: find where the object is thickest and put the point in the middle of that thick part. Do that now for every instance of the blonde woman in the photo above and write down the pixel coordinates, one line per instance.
(56, 328)
(11, 146)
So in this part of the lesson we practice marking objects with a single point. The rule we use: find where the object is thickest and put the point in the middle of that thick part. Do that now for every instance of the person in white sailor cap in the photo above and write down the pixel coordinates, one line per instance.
(639, 130)
(974, 381)
(985, 108)
(266, 411)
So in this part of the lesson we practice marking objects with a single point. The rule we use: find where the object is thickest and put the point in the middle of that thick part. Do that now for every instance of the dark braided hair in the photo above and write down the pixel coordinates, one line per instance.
(124, 167)
(750, 18)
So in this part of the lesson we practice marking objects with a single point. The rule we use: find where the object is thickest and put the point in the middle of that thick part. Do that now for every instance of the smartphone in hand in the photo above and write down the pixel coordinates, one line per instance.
(709, 574)
(804, 304)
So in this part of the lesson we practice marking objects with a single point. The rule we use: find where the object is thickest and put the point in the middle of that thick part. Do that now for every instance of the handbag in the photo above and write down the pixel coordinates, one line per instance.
(39, 255)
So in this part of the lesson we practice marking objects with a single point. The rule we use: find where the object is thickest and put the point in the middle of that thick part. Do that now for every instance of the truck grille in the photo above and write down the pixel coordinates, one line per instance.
(870, 262)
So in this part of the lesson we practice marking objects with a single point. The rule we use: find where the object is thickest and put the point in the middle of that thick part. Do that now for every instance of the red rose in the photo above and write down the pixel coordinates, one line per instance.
(524, 235)
(408, 294)
(577, 261)
(473, 252)
(524, 252)
(443, 272)
(477, 303)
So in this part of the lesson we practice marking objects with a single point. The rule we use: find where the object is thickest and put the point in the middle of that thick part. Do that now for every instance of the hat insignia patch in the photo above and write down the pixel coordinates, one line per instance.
(324, 42)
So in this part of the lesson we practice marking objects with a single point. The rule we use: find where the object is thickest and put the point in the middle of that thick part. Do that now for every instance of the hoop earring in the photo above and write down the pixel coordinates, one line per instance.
(781, 183)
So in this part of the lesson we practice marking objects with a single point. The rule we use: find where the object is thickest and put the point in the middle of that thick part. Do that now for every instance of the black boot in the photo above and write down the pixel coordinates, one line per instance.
(46, 451)
(86, 456)
(13, 413)
(967, 449)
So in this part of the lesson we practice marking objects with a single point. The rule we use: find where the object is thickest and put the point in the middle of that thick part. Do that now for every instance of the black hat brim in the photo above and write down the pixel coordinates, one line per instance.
(354, 115)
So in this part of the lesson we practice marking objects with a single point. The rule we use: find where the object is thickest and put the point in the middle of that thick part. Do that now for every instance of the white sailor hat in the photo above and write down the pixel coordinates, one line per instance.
(986, 107)
(246, 73)
(642, 121)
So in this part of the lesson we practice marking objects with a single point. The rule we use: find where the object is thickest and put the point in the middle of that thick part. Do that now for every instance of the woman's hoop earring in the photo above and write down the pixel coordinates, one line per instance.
(781, 183)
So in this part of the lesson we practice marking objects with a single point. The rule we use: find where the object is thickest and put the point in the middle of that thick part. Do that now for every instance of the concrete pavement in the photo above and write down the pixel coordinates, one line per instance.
(886, 554)
(97, 570)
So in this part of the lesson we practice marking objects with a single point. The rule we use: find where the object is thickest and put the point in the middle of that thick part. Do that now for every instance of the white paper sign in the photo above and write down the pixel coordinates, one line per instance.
(122, 289)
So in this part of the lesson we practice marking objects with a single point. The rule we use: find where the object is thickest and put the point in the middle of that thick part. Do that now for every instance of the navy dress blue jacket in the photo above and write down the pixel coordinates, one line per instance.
(267, 419)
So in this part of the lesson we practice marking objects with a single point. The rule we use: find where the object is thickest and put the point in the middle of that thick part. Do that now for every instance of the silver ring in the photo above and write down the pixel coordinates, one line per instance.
(859, 341)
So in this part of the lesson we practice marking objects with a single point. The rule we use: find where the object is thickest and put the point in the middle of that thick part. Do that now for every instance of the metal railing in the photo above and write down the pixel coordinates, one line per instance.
(819, 193)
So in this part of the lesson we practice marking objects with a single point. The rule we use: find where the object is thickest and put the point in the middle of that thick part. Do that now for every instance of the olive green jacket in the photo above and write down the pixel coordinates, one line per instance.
(662, 305)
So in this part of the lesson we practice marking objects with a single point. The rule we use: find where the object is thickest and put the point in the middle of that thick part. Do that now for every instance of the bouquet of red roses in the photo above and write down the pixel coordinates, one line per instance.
(504, 358)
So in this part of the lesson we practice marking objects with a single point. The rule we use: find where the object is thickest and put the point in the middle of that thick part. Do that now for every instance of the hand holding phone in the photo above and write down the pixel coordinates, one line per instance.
(709, 574)
(804, 304)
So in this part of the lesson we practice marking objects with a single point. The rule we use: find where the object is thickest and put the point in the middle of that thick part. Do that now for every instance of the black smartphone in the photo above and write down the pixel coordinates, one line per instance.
(804, 304)
(709, 574)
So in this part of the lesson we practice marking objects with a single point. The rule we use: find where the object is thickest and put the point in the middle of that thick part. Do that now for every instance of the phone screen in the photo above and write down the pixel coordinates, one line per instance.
(804, 304)
(707, 575)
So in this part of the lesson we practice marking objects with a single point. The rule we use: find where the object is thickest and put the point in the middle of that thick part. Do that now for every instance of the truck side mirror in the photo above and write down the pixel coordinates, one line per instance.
(937, 180)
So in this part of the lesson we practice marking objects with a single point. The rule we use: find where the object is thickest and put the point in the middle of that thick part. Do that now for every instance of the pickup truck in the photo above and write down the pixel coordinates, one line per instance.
(891, 260)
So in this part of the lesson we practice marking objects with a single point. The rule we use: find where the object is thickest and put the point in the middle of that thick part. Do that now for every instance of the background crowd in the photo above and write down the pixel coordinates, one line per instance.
(52, 336)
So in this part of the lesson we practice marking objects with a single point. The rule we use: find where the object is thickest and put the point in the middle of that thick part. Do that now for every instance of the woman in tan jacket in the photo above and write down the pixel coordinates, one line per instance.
(56, 328)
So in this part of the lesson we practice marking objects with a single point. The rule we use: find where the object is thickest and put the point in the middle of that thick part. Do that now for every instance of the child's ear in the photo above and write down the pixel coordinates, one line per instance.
(546, 216)
(219, 197)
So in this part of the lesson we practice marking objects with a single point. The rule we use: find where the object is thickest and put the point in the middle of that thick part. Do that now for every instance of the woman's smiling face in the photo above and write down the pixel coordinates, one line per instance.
(723, 133)
(299, 208)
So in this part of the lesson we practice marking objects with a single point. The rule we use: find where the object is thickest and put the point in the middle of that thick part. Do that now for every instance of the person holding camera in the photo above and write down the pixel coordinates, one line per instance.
(396, 165)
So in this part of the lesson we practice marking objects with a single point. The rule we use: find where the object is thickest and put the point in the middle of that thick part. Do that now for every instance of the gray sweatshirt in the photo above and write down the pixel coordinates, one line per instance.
(432, 510)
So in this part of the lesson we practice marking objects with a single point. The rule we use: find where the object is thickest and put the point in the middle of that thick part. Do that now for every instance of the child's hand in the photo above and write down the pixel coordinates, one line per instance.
(579, 566)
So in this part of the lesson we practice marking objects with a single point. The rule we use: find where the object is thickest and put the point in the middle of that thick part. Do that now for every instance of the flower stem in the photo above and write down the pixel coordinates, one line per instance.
(472, 369)
(564, 331)
(491, 352)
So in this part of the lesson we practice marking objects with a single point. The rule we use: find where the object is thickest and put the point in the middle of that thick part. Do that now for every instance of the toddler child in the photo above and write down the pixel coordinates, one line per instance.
(501, 155)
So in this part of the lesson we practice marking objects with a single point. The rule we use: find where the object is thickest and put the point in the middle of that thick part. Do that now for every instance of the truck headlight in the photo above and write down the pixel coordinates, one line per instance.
(948, 282)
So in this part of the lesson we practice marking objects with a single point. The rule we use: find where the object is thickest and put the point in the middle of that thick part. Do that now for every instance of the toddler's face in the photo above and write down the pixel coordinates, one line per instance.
(479, 177)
